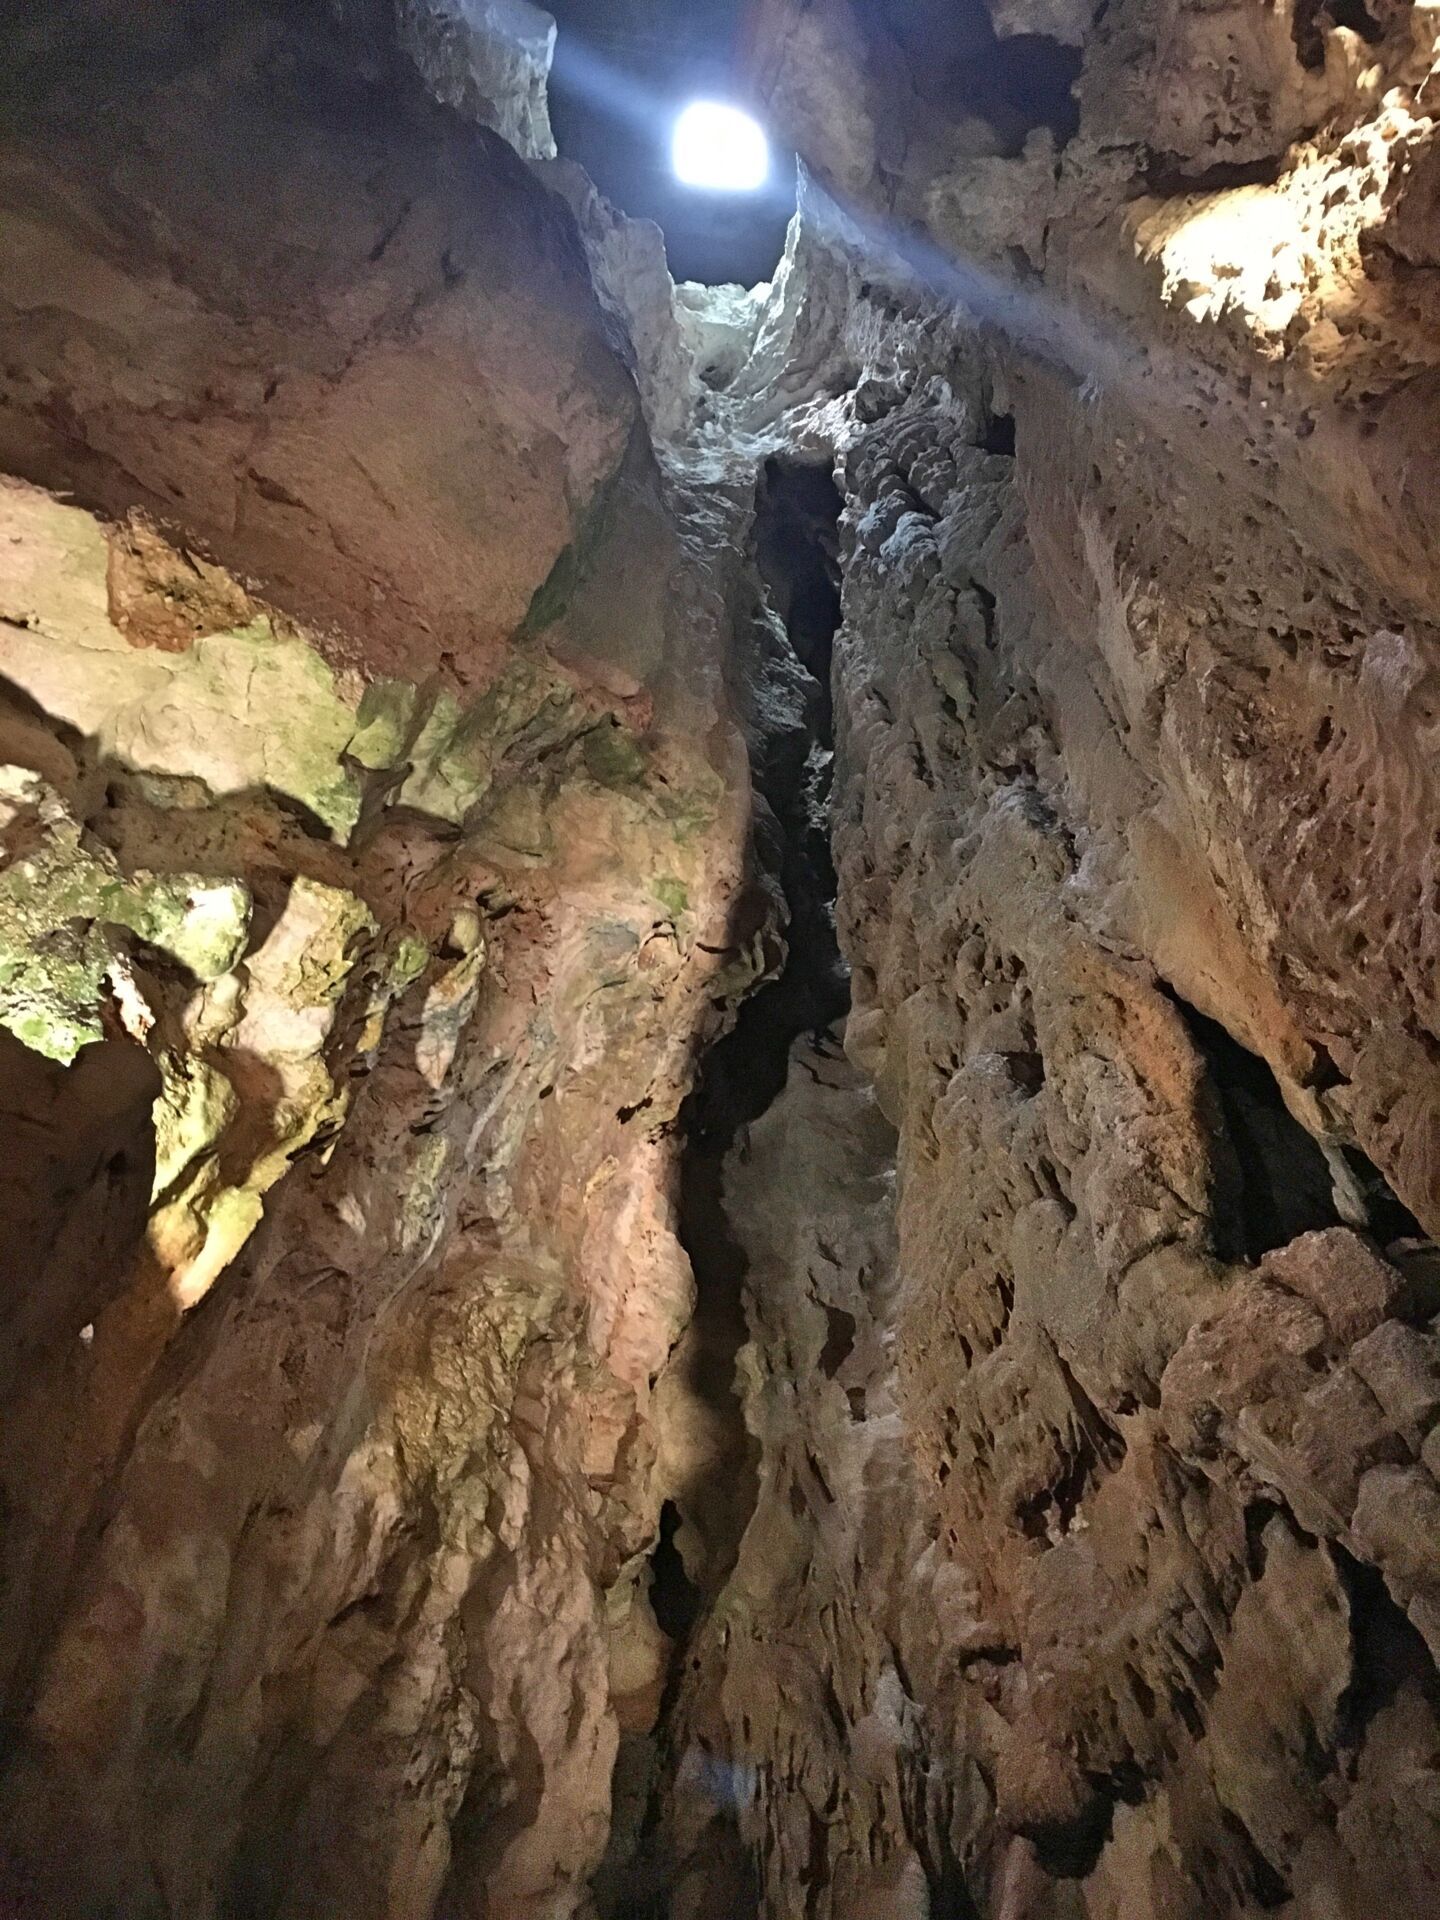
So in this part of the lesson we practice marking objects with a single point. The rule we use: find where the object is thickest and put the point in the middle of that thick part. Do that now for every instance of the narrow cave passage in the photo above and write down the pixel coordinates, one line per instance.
(795, 552)
(795, 543)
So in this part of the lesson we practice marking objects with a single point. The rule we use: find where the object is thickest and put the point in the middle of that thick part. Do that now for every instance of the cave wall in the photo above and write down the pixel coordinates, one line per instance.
(371, 792)
(476, 1439)
(1094, 1569)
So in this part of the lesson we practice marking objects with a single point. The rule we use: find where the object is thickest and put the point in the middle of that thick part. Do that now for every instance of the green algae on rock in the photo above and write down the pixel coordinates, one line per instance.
(61, 904)
(527, 713)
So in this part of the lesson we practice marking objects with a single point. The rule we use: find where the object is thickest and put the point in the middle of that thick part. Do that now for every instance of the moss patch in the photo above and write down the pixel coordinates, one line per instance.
(60, 902)
(614, 757)
(672, 894)
(526, 714)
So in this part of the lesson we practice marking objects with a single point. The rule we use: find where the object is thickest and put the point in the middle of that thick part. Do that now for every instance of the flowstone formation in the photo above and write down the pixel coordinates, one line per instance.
(717, 1008)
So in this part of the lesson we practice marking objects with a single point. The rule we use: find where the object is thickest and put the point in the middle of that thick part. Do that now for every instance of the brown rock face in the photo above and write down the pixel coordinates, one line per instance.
(276, 297)
(77, 1181)
(492, 1426)
(371, 798)
(1133, 829)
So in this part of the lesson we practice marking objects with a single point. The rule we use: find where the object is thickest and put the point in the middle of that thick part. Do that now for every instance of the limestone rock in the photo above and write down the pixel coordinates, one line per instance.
(489, 1425)
(301, 410)
(381, 898)
(1109, 693)
(491, 60)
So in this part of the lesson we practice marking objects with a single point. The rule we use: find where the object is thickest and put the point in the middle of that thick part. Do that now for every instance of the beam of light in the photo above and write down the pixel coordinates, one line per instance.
(586, 74)
(1035, 321)
(720, 149)
(603, 85)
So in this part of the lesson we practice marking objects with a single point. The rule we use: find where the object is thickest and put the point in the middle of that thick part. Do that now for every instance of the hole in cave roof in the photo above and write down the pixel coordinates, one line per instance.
(623, 72)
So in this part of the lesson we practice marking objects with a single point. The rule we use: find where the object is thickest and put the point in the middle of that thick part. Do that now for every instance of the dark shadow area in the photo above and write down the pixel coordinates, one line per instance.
(1313, 19)
(1167, 180)
(797, 548)
(962, 68)
(839, 1339)
(674, 1597)
(721, 1501)
(998, 435)
(1021, 83)
(1068, 1850)
(1389, 1217)
(1268, 1887)
(74, 1191)
(797, 553)
(1390, 1654)
(949, 1896)
(1284, 1185)
(1287, 1185)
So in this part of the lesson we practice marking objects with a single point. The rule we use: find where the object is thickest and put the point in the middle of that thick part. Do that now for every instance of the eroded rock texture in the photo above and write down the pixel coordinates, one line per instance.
(1135, 826)
(525, 1392)
(373, 795)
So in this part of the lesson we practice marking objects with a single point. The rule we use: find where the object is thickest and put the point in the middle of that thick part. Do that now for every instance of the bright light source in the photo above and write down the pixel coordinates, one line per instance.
(720, 148)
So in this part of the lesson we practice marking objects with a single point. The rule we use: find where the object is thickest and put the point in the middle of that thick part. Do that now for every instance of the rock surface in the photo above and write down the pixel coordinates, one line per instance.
(372, 795)
(513, 1404)
(489, 59)
(1134, 823)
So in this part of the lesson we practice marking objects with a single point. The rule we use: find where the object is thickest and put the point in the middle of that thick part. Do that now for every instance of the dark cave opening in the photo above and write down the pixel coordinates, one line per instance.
(1390, 1654)
(1284, 1185)
(998, 435)
(674, 1597)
